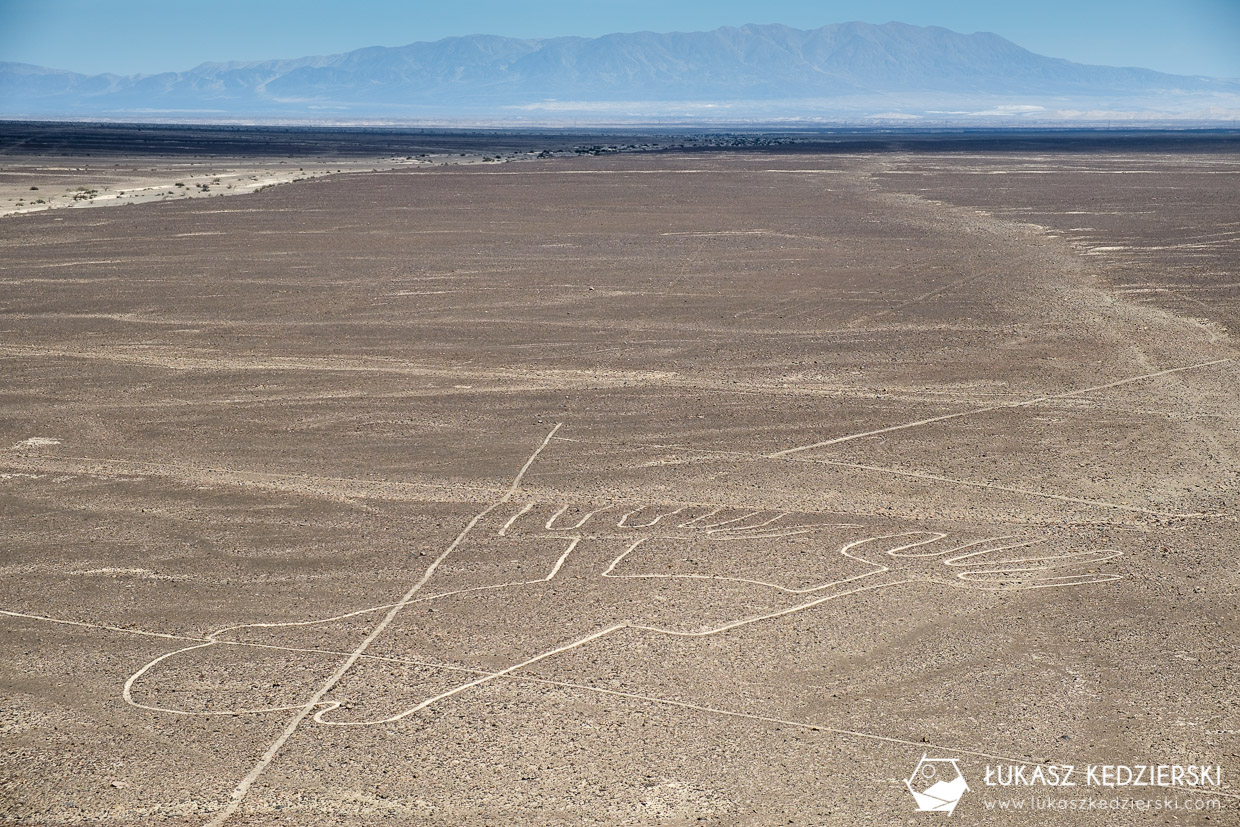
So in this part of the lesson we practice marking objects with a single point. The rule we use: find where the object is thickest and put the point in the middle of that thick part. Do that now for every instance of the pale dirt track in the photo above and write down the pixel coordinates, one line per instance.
(700, 488)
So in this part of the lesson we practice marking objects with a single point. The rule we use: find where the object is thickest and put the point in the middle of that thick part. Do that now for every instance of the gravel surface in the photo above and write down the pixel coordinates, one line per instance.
(679, 487)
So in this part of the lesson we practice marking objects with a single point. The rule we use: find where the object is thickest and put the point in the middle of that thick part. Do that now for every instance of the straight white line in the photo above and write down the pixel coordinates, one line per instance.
(85, 625)
(486, 678)
(996, 487)
(1002, 407)
(516, 482)
(243, 787)
(217, 476)
(702, 453)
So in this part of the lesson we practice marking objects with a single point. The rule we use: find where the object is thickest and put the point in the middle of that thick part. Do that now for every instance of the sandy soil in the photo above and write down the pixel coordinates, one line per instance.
(674, 488)
(55, 165)
(36, 187)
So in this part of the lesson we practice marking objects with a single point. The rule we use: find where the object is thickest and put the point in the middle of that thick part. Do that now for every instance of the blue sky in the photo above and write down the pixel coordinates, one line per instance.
(132, 36)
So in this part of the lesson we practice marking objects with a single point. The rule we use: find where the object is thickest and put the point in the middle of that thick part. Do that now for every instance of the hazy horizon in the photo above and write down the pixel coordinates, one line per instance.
(128, 37)
(179, 68)
(894, 72)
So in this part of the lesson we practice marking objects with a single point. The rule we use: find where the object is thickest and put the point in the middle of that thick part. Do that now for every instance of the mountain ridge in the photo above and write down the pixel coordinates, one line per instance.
(840, 67)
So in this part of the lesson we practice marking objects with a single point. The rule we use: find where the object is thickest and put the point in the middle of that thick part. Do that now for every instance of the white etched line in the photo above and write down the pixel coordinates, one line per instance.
(470, 684)
(624, 518)
(955, 559)
(853, 733)
(660, 517)
(1010, 489)
(756, 526)
(503, 531)
(554, 516)
(878, 469)
(906, 557)
(213, 637)
(710, 527)
(579, 524)
(243, 787)
(699, 518)
(86, 625)
(577, 686)
(127, 690)
(212, 640)
(560, 562)
(617, 561)
(564, 684)
(814, 727)
(1005, 406)
(937, 535)
(522, 678)
(878, 569)
(591, 514)
(733, 536)
(736, 624)
(306, 484)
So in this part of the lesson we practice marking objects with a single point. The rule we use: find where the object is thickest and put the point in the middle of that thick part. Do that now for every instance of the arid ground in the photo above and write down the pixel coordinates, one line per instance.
(708, 485)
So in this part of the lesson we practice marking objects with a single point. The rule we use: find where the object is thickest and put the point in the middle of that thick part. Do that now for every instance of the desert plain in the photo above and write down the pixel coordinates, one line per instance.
(706, 481)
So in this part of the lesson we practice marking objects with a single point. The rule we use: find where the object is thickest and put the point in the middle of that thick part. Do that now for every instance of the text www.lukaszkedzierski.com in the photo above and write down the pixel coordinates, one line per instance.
(1204, 804)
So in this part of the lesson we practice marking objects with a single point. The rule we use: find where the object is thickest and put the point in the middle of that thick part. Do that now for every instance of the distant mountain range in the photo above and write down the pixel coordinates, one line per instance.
(892, 71)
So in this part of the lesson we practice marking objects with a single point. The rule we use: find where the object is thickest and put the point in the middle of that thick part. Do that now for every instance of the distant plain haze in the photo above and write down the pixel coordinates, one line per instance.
(1190, 37)
(893, 72)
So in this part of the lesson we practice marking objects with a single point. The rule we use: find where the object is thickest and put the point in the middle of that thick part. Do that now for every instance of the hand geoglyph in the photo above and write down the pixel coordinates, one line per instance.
(535, 580)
